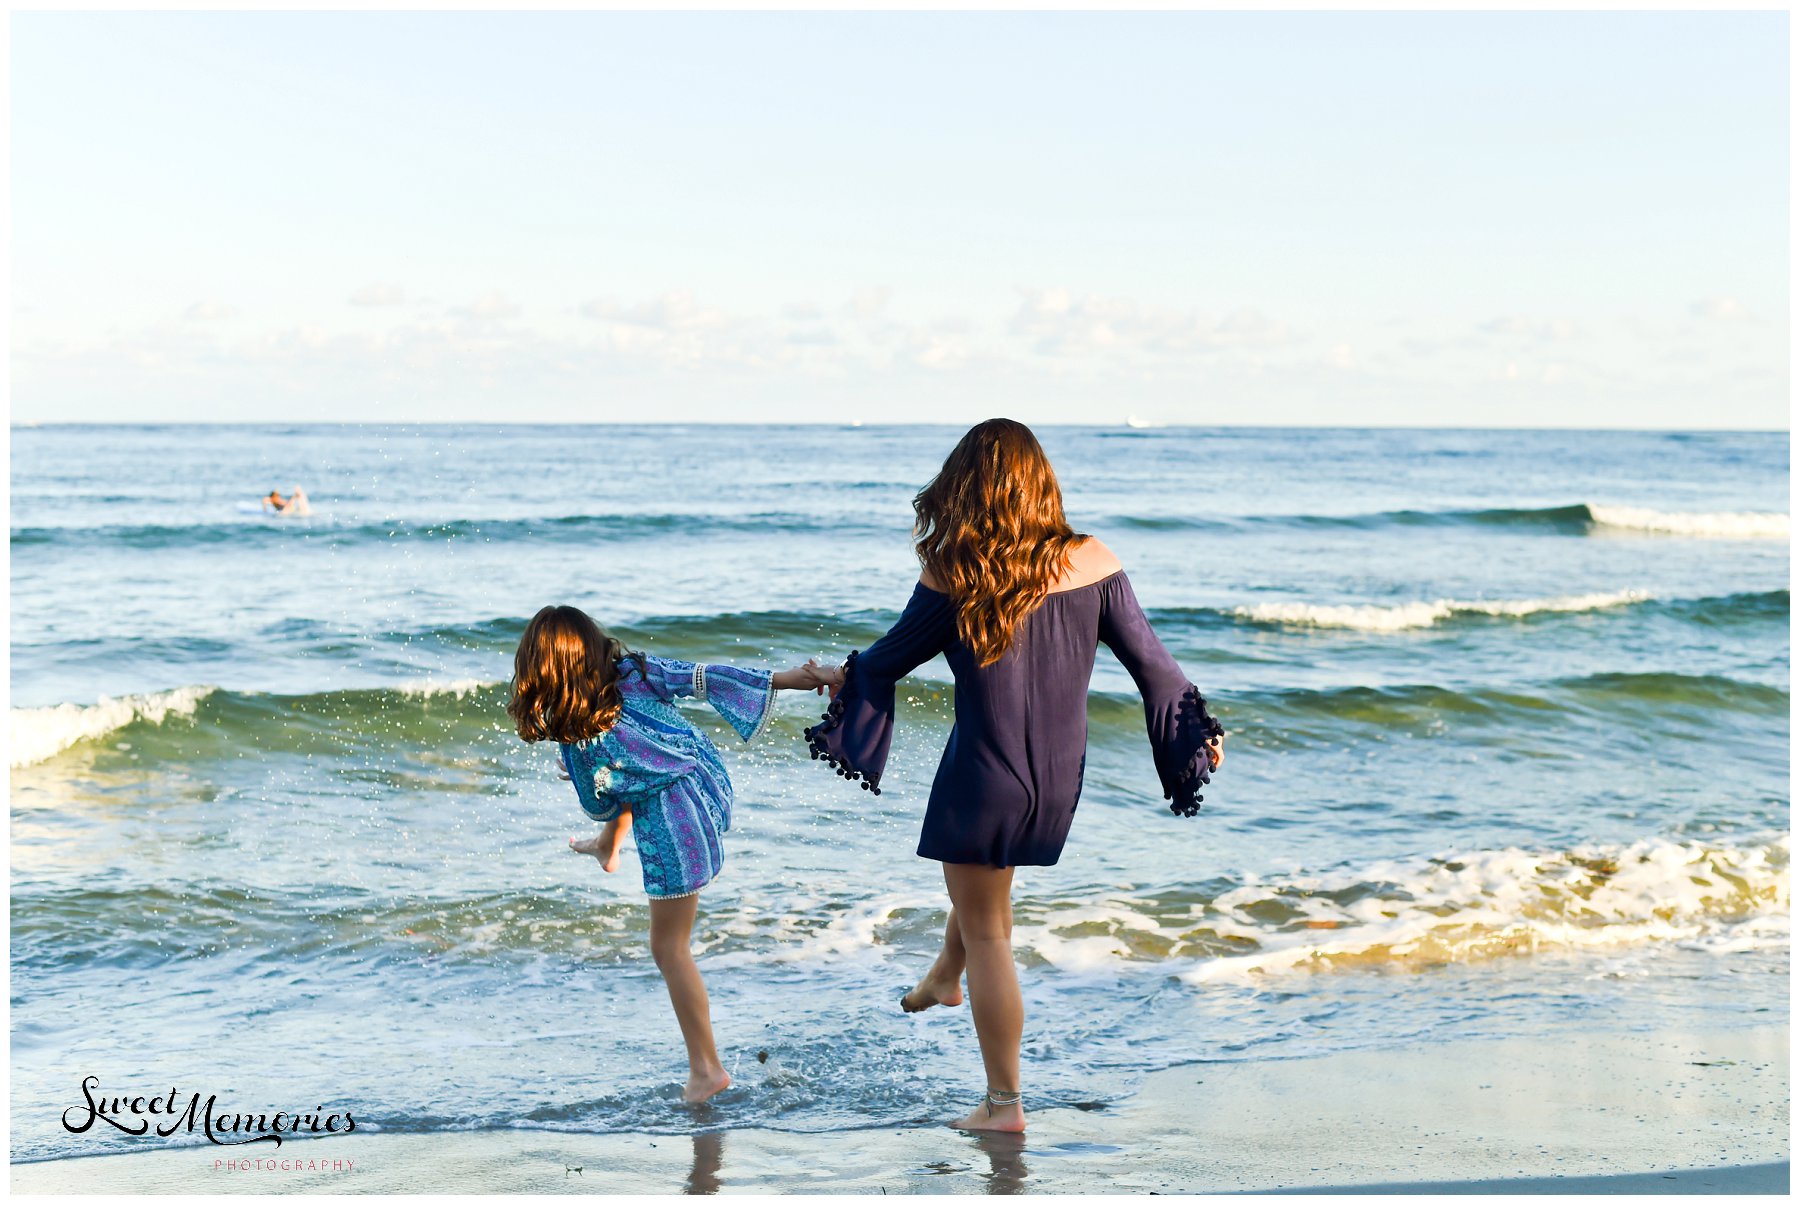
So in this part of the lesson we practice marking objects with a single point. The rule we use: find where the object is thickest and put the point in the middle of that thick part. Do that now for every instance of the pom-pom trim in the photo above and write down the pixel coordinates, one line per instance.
(1184, 790)
(830, 722)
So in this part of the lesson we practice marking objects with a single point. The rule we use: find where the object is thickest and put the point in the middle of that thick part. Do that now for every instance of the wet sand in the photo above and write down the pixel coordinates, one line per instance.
(1643, 1113)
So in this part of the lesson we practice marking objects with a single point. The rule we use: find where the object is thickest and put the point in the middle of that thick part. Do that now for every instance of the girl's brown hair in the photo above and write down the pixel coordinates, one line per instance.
(565, 685)
(991, 529)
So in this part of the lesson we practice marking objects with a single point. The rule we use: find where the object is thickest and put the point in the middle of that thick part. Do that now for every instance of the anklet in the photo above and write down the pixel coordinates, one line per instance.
(1003, 1100)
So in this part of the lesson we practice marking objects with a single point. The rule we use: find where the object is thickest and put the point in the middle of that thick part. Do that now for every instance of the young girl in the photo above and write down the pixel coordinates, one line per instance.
(638, 764)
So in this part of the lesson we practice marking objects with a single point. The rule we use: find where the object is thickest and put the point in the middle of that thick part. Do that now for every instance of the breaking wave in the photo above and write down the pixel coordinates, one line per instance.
(1741, 525)
(1401, 616)
(1494, 903)
(40, 733)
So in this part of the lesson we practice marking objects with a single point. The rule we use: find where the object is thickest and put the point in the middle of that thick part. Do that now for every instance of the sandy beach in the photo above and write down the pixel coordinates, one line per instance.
(1641, 1113)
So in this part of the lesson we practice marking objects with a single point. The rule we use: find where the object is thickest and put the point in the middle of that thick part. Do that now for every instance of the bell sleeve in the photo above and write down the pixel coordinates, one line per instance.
(1175, 713)
(611, 770)
(744, 697)
(854, 735)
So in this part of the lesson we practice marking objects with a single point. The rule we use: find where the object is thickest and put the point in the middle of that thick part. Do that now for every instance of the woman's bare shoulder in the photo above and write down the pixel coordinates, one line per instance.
(1091, 561)
(1094, 553)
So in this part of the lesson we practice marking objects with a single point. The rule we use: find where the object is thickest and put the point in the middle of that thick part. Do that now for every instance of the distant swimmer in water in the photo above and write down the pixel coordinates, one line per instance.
(294, 504)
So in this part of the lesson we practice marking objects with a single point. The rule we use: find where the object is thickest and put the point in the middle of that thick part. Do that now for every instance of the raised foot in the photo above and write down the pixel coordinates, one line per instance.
(703, 1086)
(1000, 1119)
(931, 992)
(595, 847)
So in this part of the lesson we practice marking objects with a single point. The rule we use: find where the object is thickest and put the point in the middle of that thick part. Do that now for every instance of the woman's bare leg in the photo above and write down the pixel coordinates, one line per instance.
(982, 898)
(942, 984)
(671, 935)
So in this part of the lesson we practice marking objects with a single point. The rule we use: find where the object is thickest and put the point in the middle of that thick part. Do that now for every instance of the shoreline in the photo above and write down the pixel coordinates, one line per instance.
(1667, 1111)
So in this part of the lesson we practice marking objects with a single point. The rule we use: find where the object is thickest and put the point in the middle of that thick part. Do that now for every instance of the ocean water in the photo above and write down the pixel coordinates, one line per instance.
(1508, 749)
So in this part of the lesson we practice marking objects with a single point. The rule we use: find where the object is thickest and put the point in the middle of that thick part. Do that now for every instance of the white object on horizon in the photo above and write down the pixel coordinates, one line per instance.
(1141, 424)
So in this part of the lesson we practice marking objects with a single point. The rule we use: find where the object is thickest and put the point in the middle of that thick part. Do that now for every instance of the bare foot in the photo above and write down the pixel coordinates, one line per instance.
(932, 991)
(704, 1085)
(1004, 1119)
(595, 847)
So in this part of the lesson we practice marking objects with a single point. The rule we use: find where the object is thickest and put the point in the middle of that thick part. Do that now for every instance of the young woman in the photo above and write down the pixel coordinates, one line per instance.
(1017, 602)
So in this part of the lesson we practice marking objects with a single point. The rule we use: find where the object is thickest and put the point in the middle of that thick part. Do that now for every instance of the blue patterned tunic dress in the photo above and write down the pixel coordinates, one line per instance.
(655, 763)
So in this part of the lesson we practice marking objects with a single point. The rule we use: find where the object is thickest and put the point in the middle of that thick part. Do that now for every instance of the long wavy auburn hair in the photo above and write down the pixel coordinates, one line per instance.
(565, 684)
(991, 529)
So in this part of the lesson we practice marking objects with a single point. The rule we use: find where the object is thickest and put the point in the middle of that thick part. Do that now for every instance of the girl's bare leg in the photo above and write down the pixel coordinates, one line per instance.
(942, 984)
(671, 934)
(612, 837)
(606, 846)
(982, 897)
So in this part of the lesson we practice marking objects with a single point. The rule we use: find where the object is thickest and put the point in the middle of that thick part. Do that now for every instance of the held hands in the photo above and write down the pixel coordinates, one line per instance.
(811, 676)
(1215, 751)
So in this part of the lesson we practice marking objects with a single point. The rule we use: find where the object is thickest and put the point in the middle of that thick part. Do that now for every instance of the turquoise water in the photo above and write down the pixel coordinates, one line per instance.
(1509, 747)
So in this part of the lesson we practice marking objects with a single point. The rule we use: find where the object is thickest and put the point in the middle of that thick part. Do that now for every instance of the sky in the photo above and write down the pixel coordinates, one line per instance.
(1439, 219)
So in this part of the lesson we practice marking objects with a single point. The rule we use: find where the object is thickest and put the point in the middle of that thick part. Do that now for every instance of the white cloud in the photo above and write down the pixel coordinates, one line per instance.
(491, 306)
(1054, 344)
(208, 311)
(1059, 324)
(940, 352)
(672, 312)
(379, 294)
(1720, 309)
(1537, 330)
(867, 303)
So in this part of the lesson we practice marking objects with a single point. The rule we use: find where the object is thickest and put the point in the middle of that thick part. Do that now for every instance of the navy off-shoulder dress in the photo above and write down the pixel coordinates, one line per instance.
(1011, 774)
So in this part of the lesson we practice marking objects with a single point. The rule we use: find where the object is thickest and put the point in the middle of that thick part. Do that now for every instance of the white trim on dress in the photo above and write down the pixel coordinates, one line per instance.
(684, 894)
(768, 713)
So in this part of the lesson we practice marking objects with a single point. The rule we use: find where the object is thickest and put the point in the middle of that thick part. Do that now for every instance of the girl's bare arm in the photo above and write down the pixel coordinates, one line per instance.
(811, 676)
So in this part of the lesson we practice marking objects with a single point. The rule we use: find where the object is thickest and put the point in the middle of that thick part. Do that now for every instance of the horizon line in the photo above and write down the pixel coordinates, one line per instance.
(30, 424)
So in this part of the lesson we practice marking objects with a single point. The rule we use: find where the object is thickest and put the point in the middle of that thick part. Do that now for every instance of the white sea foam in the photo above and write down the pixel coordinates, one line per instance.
(1741, 525)
(1511, 901)
(1622, 904)
(1610, 900)
(40, 733)
(431, 688)
(1401, 616)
